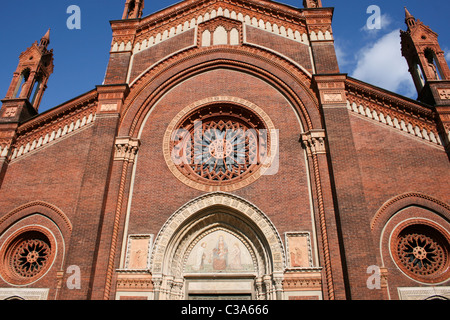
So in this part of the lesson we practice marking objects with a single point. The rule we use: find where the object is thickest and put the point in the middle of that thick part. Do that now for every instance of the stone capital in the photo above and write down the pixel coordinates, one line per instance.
(314, 141)
(126, 149)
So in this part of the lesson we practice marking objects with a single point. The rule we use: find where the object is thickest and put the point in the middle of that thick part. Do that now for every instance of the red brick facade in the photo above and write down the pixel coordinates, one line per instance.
(94, 205)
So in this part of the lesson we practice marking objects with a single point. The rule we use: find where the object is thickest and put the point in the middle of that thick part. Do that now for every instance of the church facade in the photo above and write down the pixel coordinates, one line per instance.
(226, 156)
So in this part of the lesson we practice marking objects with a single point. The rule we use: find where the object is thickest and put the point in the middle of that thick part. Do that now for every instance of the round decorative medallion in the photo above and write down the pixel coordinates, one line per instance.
(26, 257)
(422, 252)
(219, 145)
(29, 257)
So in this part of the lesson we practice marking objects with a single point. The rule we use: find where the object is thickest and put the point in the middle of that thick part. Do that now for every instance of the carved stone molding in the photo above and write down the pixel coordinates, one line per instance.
(308, 279)
(23, 294)
(314, 141)
(159, 263)
(421, 293)
(126, 149)
(134, 281)
(444, 94)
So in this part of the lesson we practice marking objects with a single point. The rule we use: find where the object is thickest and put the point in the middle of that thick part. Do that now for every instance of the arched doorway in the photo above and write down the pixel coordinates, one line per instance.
(218, 247)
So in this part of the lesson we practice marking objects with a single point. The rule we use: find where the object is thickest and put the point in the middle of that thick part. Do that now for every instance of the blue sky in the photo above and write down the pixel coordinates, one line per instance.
(81, 56)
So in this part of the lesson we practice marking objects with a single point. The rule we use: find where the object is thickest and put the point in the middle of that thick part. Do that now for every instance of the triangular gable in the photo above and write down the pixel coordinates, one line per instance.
(277, 18)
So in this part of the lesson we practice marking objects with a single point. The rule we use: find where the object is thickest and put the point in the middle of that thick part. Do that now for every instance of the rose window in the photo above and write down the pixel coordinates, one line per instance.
(30, 257)
(27, 257)
(422, 253)
(219, 145)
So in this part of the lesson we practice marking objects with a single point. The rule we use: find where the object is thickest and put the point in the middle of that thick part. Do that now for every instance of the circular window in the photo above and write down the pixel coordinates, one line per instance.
(218, 146)
(422, 252)
(27, 256)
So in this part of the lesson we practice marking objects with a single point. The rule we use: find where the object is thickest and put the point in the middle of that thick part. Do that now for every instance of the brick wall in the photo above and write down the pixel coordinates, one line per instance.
(390, 164)
(157, 193)
(52, 175)
(294, 50)
(148, 57)
(117, 70)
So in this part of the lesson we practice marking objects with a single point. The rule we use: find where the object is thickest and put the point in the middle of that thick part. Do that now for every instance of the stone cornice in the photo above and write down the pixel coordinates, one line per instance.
(410, 117)
(58, 113)
(52, 125)
(134, 281)
(309, 279)
(390, 100)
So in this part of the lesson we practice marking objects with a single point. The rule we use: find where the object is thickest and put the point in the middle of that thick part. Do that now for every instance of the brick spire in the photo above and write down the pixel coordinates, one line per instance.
(409, 19)
(45, 40)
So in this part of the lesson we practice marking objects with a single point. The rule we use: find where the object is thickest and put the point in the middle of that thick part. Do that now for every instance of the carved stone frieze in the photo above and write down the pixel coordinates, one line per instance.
(308, 279)
(444, 94)
(134, 281)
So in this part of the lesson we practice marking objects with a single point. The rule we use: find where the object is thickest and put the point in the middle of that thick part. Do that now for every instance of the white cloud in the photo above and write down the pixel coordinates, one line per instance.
(382, 65)
(385, 22)
(341, 54)
(447, 56)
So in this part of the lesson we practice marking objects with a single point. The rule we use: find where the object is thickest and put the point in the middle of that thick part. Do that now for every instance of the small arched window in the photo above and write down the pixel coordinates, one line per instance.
(433, 64)
(21, 83)
(35, 91)
(131, 8)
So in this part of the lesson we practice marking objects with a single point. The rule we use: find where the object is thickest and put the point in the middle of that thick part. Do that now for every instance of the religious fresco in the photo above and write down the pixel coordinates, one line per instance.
(298, 248)
(219, 252)
(138, 251)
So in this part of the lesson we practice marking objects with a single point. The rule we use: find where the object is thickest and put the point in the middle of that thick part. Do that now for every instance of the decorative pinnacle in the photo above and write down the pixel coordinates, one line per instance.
(409, 18)
(45, 40)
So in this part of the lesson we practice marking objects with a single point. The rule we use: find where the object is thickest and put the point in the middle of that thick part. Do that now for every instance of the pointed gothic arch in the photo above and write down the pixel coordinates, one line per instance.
(225, 214)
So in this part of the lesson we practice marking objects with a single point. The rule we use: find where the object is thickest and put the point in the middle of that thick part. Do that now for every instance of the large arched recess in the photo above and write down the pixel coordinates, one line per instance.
(289, 79)
(217, 212)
